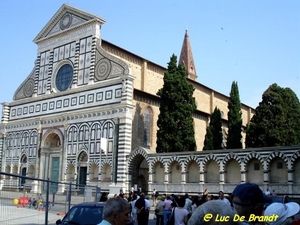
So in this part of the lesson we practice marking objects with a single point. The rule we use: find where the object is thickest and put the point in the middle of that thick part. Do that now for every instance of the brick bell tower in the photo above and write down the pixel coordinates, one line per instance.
(187, 59)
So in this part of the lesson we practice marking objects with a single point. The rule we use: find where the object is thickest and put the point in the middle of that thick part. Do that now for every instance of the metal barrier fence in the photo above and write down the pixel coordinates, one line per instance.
(28, 201)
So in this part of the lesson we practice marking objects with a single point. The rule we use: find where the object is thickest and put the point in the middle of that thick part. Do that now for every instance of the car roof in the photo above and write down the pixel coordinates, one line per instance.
(90, 204)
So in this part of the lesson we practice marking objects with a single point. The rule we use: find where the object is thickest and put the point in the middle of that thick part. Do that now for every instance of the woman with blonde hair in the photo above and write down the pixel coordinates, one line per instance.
(159, 210)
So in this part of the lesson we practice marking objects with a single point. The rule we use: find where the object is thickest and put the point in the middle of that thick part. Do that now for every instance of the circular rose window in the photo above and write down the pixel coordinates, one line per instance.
(64, 77)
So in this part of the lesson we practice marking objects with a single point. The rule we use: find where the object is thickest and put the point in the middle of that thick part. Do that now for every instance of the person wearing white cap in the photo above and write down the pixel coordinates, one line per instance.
(209, 213)
(285, 212)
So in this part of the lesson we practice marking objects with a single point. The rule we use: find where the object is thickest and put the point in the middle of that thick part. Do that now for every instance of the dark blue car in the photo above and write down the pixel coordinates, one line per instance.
(89, 213)
(83, 214)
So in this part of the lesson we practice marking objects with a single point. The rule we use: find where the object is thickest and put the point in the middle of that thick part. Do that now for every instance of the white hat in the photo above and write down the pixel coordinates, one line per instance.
(283, 211)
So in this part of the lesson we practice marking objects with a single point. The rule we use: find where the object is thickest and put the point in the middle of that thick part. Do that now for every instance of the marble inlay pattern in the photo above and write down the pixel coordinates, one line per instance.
(103, 68)
(29, 88)
(66, 21)
(101, 96)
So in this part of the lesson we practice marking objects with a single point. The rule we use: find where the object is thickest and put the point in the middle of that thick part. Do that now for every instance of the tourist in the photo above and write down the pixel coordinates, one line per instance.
(159, 210)
(222, 198)
(180, 213)
(116, 212)
(284, 212)
(248, 199)
(142, 210)
(213, 213)
(167, 209)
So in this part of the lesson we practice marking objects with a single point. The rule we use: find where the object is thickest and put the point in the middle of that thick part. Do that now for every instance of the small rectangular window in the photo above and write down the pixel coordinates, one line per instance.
(279, 165)
(256, 166)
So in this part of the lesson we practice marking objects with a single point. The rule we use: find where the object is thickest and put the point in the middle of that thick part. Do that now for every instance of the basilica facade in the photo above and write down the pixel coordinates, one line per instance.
(87, 114)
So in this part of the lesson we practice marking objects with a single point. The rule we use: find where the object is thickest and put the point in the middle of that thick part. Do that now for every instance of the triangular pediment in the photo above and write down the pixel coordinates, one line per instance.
(66, 18)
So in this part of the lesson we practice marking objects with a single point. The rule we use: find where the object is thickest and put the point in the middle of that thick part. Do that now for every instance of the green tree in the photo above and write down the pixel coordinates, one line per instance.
(209, 139)
(276, 120)
(214, 135)
(234, 136)
(177, 105)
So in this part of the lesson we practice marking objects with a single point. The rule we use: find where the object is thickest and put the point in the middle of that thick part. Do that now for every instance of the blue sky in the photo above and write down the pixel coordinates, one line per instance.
(253, 42)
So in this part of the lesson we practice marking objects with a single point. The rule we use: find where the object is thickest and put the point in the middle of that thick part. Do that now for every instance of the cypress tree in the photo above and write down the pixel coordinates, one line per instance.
(214, 136)
(175, 121)
(234, 136)
(208, 141)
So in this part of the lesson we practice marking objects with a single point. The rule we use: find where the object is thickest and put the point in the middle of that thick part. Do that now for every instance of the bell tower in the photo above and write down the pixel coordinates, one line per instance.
(187, 59)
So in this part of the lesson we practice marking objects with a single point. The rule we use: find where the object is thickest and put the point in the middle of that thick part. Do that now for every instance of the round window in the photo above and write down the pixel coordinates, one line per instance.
(64, 77)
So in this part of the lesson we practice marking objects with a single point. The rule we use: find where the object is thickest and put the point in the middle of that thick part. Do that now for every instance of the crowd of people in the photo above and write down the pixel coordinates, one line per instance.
(245, 205)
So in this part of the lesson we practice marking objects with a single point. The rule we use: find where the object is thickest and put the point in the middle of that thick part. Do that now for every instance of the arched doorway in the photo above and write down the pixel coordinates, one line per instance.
(23, 170)
(140, 173)
(50, 158)
(82, 171)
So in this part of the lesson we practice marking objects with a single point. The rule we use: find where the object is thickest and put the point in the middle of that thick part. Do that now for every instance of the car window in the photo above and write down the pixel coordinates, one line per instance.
(93, 215)
(74, 213)
(85, 215)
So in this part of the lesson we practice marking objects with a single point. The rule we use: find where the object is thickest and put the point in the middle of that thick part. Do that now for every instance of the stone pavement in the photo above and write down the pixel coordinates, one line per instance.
(24, 216)
(11, 213)
(15, 214)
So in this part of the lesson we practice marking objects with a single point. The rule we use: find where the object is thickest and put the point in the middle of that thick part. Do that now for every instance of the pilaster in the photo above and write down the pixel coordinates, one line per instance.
(243, 176)
(222, 177)
(183, 177)
(290, 180)
(64, 153)
(3, 149)
(201, 177)
(150, 181)
(266, 176)
(38, 152)
(5, 112)
(167, 174)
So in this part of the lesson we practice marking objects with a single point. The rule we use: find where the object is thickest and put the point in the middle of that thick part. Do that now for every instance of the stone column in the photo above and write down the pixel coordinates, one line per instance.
(63, 167)
(3, 153)
(38, 172)
(183, 177)
(243, 176)
(150, 181)
(266, 176)
(43, 165)
(222, 180)
(153, 177)
(99, 178)
(290, 180)
(167, 174)
(201, 177)
(222, 177)
(76, 172)
(201, 181)
(36, 185)
(3, 157)
(64, 154)
(87, 177)
(266, 179)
